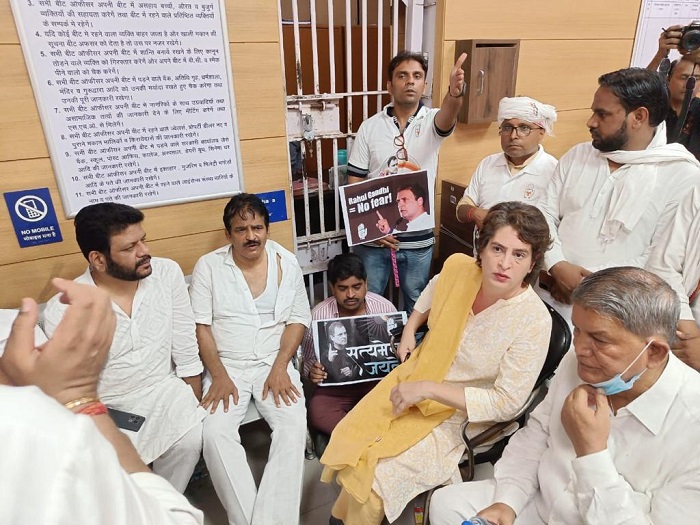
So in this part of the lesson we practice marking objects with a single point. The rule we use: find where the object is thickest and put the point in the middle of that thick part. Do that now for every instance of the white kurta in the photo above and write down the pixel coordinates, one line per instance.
(57, 469)
(151, 351)
(221, 299)
(578, 198)
(676, 254)
(493, 183)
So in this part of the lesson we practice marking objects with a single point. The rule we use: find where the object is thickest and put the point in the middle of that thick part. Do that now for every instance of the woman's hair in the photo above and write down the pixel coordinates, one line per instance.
(528, 222)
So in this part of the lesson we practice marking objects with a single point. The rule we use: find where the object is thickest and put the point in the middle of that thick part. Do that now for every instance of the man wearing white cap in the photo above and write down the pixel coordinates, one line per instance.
(523, 170)
(611, 199)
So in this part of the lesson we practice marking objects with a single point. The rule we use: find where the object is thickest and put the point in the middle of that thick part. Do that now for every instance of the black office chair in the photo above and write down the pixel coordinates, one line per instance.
(489, 444)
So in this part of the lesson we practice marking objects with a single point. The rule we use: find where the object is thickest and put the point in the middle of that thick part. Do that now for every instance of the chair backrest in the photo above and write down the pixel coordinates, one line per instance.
(559, 344)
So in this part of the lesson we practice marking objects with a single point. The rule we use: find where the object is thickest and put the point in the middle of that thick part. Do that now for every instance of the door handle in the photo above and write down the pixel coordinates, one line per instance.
(481, 77)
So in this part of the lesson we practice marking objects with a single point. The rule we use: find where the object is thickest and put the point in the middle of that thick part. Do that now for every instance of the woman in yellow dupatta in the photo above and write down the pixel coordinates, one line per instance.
(488, 339)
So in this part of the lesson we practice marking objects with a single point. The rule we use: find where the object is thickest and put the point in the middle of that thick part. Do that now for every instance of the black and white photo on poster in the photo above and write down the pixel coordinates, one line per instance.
(356, 349)
(383, 206)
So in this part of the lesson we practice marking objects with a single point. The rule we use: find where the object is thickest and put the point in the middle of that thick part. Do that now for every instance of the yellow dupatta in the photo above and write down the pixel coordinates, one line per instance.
(370, 431)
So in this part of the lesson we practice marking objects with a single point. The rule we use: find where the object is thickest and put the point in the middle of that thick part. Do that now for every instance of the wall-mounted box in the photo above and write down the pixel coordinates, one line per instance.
(490, 70)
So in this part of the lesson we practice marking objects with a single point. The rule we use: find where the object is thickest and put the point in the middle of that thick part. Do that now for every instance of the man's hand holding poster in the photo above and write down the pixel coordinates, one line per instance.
(356, 349)
(385, 206)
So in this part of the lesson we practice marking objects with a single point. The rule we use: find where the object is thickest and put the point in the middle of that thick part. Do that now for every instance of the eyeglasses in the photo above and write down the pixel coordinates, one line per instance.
(402, 153)
(521, 131)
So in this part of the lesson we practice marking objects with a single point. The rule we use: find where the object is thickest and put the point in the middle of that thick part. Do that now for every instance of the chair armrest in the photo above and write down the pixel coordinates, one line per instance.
(488, 435)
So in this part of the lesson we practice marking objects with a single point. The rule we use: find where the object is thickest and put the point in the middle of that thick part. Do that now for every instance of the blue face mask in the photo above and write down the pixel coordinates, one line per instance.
(616, 384)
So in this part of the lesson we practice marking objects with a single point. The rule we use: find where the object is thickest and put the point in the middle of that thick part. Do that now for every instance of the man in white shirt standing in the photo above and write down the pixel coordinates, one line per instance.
(610, 199)
(614, 439)
(251, 310)
(405, 136)
(523, 170)
(153, 368)
(63, 460)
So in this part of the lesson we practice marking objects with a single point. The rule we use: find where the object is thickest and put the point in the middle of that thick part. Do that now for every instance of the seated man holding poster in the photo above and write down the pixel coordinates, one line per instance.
(348, 281)
(488, 339)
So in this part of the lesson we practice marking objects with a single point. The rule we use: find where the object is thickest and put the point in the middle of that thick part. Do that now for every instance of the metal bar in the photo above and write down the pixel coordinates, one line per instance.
(325, 285)
(314, 45)
(414, 25)
(331, 45)
(348, 61)
(395, 38)
(307, 217)
(297, 44)
(380, 49)
(314, 237)
(334, 96)
(336, 185)
(365, 99)
(319, 171)
(312, 292)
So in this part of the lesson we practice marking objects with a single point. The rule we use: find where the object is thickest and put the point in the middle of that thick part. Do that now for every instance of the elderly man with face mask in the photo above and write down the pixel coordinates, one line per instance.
(610, 199)
(614, 440)
(523, 170)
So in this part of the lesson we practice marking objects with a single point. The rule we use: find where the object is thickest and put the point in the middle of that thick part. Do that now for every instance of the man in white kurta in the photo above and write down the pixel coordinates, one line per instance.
(251, 310)
(154, 351)
(63, 459)
(522, 171)
(585, 457)
(609, 200)
(58, 468)
(676, 258)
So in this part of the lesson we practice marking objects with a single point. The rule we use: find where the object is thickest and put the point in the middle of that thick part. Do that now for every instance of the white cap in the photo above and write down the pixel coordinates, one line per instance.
(529, 110)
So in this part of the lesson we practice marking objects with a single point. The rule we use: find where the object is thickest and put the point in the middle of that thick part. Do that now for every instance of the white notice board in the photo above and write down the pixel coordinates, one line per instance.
(654, 17)
(135, 97)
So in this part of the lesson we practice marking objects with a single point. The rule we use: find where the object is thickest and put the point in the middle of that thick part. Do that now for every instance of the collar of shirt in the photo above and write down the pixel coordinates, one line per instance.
(513, 169)
(141, 290)
(390, 112)
(651, 407)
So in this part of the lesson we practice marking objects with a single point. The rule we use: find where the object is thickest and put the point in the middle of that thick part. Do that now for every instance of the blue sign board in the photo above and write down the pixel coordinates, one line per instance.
(276, 204)
(33, 217)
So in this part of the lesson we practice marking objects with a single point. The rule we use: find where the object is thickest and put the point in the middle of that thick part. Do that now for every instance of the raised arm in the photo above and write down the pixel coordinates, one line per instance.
(451, 104)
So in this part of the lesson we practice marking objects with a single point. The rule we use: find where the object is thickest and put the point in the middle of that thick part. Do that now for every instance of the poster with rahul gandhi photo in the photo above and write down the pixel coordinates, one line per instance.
(383, 206)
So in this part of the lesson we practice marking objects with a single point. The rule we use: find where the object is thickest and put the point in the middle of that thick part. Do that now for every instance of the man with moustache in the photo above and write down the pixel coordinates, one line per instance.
(251, 311)
(153, 369)
(610, 200)
(347, 277)
(523, 170)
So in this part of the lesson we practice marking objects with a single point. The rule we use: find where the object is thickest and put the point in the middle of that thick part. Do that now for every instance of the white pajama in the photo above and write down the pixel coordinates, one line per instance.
(455, 503)
(178, 462)
(277, 500)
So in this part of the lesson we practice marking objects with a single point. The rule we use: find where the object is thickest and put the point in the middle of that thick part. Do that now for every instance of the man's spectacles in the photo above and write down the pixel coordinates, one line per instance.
(521, 131)
(402, 153)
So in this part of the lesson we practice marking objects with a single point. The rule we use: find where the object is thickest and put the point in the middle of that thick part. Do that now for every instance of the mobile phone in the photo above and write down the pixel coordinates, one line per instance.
(126, 420)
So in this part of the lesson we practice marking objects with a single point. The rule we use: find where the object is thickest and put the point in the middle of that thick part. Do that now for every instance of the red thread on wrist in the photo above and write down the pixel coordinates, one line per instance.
(92, 409)
(470, 214)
